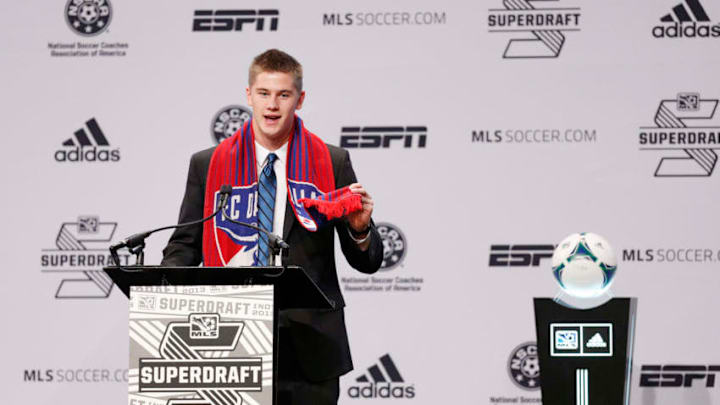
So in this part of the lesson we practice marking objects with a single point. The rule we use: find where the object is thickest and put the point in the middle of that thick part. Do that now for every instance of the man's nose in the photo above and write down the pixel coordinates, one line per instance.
(273, 104)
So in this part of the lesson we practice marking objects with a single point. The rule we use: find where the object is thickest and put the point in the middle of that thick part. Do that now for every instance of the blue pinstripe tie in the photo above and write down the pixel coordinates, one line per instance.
(266, 208)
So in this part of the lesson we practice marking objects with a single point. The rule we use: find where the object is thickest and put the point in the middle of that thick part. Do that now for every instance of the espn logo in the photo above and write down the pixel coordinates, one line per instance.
(677, 375)
(519, 255)
(234, 20)
(383, 137)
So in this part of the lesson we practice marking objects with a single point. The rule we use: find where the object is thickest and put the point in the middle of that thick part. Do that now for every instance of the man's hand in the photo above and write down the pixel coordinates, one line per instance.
(360, 220)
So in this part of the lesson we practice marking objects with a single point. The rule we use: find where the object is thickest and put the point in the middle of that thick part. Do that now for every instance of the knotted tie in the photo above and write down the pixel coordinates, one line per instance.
(266, 208)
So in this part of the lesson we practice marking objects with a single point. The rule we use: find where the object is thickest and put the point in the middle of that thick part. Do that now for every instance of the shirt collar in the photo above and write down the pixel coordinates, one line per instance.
(261, 154)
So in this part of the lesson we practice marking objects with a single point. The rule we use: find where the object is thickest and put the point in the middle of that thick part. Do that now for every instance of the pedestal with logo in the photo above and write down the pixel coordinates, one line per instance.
(585, 354)
(584, 336)
(208, 336)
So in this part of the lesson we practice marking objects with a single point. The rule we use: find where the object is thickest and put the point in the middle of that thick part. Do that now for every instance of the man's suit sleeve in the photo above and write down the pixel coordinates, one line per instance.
(370, 260)
(185, 245)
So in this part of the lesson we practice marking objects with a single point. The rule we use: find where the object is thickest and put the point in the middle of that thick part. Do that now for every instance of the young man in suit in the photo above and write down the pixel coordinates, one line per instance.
(313, 346)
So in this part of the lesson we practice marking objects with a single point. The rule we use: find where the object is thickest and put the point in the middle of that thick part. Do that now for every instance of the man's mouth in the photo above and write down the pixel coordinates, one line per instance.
(272, 118)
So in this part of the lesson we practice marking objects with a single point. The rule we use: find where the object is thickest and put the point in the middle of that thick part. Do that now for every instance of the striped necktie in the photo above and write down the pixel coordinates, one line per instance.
(266, 208)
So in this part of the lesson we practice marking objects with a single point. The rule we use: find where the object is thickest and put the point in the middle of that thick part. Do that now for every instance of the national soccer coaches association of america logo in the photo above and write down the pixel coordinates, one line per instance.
(524, 366)
(88, 17)
(394, 245)
(227, 121)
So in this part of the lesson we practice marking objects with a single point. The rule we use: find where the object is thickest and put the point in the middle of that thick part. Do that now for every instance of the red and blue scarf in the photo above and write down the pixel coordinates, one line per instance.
(310, 185)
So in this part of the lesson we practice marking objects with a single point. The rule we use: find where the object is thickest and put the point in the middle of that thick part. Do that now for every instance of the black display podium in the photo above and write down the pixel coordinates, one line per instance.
(190, 341)
(585, 354)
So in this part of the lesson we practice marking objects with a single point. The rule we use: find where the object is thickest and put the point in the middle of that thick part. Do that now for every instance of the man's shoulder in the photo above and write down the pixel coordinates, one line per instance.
(203, 157)
(337, 154)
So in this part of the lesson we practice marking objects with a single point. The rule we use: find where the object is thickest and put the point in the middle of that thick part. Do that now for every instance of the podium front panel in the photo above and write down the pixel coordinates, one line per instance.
(201, 345)
(585, 354)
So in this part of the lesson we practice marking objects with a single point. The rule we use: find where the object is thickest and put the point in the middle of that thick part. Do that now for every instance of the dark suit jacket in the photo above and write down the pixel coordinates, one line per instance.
(318, 337)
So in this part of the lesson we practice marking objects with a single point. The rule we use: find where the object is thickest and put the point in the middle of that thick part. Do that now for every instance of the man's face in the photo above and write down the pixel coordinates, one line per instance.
(274, 99)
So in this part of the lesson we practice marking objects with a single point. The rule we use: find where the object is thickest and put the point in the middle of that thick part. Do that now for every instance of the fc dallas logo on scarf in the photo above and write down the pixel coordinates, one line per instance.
(310, 183)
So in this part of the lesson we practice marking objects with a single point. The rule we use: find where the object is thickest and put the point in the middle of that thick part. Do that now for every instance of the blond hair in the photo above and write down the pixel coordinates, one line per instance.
(275, 60)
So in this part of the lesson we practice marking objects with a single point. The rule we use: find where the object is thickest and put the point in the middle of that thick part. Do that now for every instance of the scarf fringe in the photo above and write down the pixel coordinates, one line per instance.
(334, 209)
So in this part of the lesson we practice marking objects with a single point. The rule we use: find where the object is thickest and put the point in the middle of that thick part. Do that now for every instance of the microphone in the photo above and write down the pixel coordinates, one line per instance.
(225, 192)
(276, 242)
(136, 243)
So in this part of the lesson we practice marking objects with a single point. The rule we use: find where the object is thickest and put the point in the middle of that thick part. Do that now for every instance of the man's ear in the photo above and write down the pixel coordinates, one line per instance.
(300, 100)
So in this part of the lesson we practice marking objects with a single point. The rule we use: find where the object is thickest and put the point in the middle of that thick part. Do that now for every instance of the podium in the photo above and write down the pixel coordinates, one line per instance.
(585, 354)
(208, 335)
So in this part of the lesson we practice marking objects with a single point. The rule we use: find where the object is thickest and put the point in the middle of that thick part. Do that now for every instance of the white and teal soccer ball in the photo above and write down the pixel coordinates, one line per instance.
(584, 265)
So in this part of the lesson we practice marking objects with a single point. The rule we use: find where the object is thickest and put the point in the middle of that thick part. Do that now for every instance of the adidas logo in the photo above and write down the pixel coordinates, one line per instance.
(686, 20)
(377, 375)
(84, 148)
(596, 341)
(682, 15)
(382, 380)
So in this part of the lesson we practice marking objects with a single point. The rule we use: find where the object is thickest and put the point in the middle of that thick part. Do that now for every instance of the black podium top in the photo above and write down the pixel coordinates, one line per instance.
(293, 287)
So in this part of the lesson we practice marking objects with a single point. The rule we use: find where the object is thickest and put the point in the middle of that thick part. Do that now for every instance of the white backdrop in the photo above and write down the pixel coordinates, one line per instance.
(154, 101)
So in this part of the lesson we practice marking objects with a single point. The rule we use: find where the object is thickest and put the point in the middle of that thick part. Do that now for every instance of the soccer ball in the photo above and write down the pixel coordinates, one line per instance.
(530, 366)
(584, 265)
(88, 13)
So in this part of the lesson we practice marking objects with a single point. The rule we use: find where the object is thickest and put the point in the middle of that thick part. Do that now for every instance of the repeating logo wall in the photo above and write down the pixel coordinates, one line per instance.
(235, 20)
(382, 380)
(394, 251)
(75, 375)
(534, 136)
(541, 29)
(519, 255)
(394, 245)
(686, 127)
(384, 18)
(81, 248)
(205, 345)
(88, 18)
(227, 121)
(383, 137)
(683, 255)
(686, 20)
(676, 375)
(83, 148)
(524, 366)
